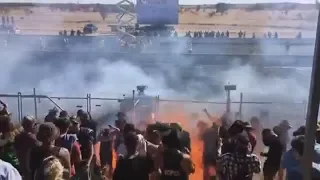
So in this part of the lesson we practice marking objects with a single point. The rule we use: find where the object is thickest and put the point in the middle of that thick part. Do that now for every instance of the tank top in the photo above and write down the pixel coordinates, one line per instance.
(171, 167)
(38, 155)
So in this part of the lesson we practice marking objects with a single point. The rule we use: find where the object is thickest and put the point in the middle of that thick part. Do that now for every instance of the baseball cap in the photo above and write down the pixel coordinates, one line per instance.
(247, 125)
(300, 131)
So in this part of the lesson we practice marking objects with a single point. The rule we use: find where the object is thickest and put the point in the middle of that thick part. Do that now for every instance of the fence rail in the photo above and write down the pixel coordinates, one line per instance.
(89, 98)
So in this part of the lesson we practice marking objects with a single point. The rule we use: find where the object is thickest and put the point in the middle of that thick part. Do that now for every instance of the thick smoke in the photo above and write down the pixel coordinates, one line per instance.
(172, 78)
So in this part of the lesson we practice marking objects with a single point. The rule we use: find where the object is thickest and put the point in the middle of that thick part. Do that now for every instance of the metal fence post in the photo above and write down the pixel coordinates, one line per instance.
(240, 106)
(35, 103)
(134, 107)
(313, 109)
(87, 102)
(19, 108)
(90, 105)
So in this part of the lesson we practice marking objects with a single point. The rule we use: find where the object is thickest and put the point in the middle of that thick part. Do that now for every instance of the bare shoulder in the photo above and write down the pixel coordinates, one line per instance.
(64, 152)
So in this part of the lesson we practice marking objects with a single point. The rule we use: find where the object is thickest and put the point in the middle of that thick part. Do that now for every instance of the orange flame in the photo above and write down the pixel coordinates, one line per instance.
(181, 116)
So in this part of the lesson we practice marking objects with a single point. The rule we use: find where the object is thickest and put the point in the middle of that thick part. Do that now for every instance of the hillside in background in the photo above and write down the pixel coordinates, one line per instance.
(287, 19)
(111, 8)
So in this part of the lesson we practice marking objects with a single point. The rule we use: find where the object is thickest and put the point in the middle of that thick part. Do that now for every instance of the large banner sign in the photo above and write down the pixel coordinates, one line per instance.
(157, 12)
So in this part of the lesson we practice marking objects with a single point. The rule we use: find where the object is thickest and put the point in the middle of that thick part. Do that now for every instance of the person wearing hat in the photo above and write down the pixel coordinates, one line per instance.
(282, 130)
(52, 115)
(25, 141)
(47, 134)
(173, 163)
(240, 164)
(251, 134)
(86, 139)
(185, 137)
(300, 131)
(274, 154)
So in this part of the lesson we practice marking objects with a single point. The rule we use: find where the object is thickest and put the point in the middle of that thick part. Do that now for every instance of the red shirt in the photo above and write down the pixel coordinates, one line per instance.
(252, 139)
(75, 156)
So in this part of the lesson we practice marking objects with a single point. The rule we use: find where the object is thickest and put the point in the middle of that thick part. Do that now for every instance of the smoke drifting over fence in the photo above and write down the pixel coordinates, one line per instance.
(171, 76)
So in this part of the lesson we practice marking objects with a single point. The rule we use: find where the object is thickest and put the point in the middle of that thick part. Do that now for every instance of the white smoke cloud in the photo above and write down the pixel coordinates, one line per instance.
(174, 78)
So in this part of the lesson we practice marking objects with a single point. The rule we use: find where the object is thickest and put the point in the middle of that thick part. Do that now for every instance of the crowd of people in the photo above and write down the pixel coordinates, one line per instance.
(70, 147)
(226, 34)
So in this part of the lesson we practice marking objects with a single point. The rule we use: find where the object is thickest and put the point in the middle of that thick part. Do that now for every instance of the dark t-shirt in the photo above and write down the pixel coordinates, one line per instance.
(93, 126)
(185, 141)
(171, 166)
(86, 140)
(275, 152)
(22, 144)
(138, 167)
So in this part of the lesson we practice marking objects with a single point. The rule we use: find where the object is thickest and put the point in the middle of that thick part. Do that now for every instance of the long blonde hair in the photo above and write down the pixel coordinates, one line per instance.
(53, 169)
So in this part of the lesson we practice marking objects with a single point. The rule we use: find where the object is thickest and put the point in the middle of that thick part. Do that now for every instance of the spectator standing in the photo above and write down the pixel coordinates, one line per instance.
(47, 134)
(86, 140)
(240, 164)
(133, 165)
(68, 141)
(24, 142)
(7, 137)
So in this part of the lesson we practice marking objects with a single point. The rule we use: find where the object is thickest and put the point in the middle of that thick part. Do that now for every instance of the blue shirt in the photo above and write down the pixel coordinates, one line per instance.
(293, 167)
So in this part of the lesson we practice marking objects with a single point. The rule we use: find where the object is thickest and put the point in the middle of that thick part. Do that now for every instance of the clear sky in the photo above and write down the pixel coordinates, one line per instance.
(181, 1)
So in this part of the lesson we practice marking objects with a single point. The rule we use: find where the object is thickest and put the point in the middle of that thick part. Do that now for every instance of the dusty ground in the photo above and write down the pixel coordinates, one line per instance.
(44, 21)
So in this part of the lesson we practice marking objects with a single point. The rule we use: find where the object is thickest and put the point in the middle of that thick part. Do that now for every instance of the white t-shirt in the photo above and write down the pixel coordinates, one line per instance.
(141, 147)
(8, 172)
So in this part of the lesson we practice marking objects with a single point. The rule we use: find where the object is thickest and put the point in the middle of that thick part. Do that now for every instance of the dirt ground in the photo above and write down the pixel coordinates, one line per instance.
(45, 21)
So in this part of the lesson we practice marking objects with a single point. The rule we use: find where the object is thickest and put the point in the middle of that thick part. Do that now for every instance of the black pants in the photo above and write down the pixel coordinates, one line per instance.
(270, 171)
